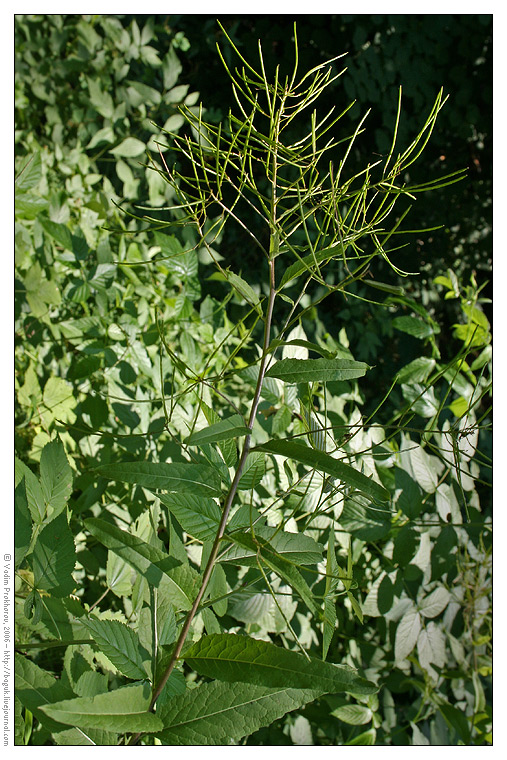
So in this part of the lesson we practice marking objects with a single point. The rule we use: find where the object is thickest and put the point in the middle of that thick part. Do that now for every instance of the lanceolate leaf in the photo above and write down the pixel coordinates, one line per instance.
(276, 562)
(156, 566)
(231, 657)
(308, 262)
(23, 523)
(35, 688)
(122, 710)
(178, 477)
(310, 370)
(34, 495)
(232, 427)
(54, 557)
(55, 477)
(328, 464)
(149, 561)
(295, 547)
(218, 713)
(119, 643)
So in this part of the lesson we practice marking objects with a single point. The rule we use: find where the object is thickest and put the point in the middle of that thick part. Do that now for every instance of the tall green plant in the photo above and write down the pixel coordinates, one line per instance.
(266, 461)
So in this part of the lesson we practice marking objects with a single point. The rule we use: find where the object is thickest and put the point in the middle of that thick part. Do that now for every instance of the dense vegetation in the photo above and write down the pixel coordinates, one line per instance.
(253, 445)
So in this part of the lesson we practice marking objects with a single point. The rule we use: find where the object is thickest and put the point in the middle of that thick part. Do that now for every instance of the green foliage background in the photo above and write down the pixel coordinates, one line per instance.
(114, 322)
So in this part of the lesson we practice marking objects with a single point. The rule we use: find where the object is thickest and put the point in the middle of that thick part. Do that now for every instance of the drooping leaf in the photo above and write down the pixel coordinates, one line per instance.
(308, 262)
(122, 710)
(231, 657)
(332, 571)
(328, 464)
(119, 643)
(407, 633)
(431, 648)
(253, 471)
(55, 477)
(295, 547)
(23, 523)
(177, 477)
(36, 687)
(54, 557)
(312, 370)
(118, 575)
(34, 495)
(410, 495)
(231, 427)
(198, 515)
(219, 713)
(262, 549)
(366, 522)
(152, 563)
(413, 326)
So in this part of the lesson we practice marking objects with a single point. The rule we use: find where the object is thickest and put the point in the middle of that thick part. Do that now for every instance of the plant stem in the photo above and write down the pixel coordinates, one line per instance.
(228, 501)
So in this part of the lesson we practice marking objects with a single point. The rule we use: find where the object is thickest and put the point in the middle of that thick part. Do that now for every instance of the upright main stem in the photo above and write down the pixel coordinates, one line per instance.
(273, 251)
(229, 499)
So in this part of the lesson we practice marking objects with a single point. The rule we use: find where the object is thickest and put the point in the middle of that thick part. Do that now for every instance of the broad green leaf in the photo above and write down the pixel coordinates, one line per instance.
(59, 232)
(23, 523)
(85, 737)
(410, 495)
(407, 634)
(354, 715)
(55, 477)
(232, 657)
(58, 397)
(405, 545)
(189, 478)
(418, 738)
(367, 738)
(122, 710)
(198, 515)
(54, 557)
(219, 713)
(118, 575)
(417, 371)
(253, 471)
(295, 547)
(263, 610)
(328, 464)
(413, 326)
(130, 147)
(232, 427)
(152, 563)
(34, 495)
(36, 688)
(455, 719)
(312, 370)
(119, 643)
(30, 174)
